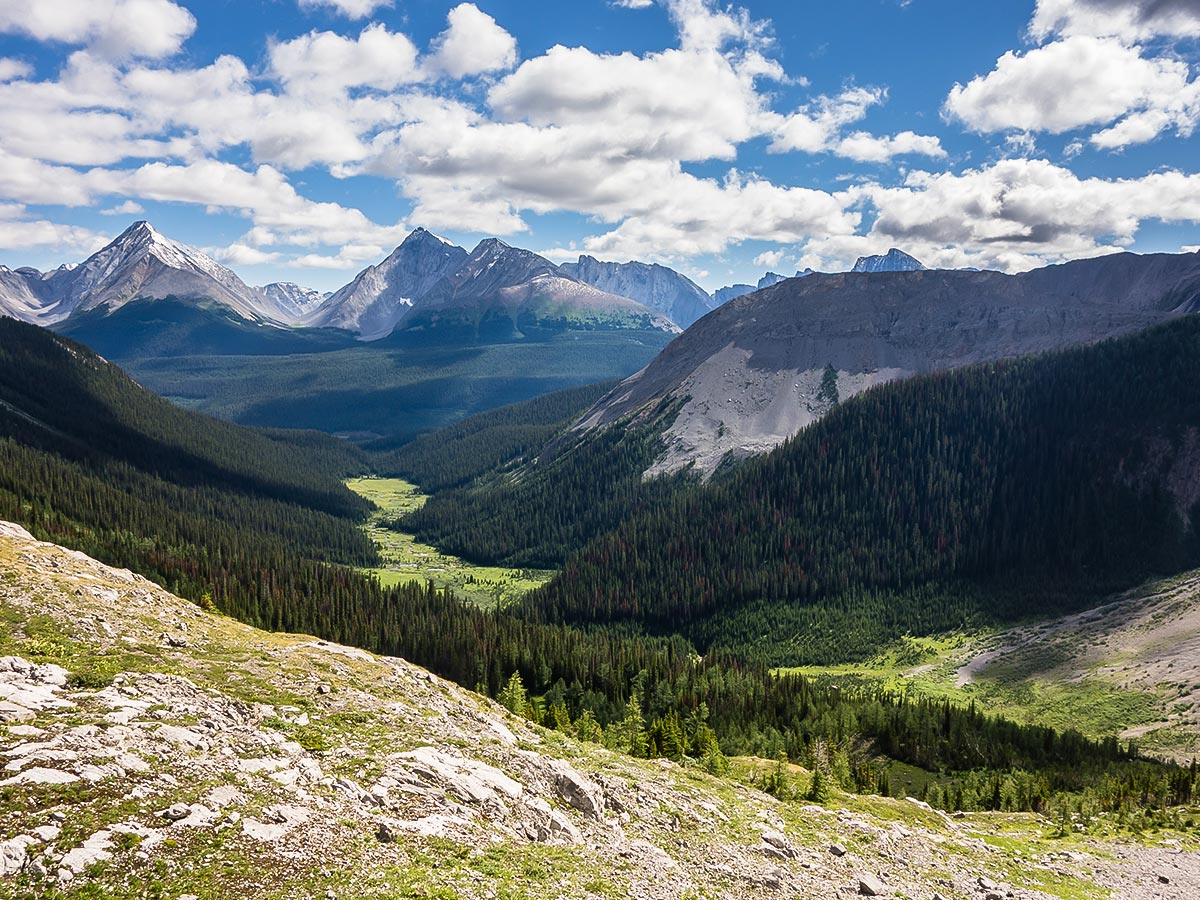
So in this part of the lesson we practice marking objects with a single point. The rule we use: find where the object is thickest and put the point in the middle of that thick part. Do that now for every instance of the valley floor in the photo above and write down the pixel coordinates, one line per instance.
(406, 559)
(1129, 666)
(154, 750)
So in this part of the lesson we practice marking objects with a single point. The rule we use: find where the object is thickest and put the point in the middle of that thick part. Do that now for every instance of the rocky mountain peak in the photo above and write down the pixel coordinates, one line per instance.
(655, 286)
(893, 261)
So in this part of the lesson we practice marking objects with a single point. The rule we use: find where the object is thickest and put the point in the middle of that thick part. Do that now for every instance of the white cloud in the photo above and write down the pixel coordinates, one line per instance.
(669, 105)
(473, 44)
(818, 127)
(324, 62)
(770, 259)
(281, 216)
(1012, 215)
(11, 69)
(633, 4)
(111, 28)
(1071, 83)
(703, 26)
(128, 208)
(20, 232)
(350, 256)
(239, 254)
(33, 181)
(863, 147)
(355, 9)
(1131, 20)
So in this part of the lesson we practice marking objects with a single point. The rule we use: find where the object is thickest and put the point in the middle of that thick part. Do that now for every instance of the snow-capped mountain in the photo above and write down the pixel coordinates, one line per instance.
(655, 286)
(139, 264)
(381, 295)
(503, 292)
(289, 301)
(21, 297)
(892, 261)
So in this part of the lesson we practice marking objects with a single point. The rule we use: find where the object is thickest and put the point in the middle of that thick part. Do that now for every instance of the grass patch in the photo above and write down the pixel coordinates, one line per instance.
(407, 560)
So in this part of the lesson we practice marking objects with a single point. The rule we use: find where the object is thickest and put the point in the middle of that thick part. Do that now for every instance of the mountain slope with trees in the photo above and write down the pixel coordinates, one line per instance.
(990, 492)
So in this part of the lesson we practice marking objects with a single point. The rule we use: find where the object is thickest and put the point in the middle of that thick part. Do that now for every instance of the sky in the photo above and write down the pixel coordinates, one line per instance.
(301, 140)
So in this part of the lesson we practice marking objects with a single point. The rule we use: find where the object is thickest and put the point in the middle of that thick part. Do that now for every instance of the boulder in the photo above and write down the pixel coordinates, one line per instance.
(577, 791)
(870, 886)
(13, 853)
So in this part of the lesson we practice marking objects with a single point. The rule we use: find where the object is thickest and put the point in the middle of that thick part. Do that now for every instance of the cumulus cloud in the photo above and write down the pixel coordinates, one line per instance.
(473, 44)
(11, 69)
(1093, 69)
(1079, 81)
(864, 147)
(128, 208)
(1132, 20)
(239, 254)
(111, 28)
(769, 258)
(703, 25)
(617, 138)
(1012, 215)
(325, 62)
(819, 126)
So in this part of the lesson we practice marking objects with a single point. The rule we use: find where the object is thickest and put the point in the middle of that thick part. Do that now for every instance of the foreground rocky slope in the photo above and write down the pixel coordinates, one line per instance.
(148, 748)
(757, 370)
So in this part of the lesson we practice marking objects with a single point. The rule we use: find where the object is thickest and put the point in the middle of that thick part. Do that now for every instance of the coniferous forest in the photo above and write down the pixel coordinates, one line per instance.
(967, 497)
(259, 525)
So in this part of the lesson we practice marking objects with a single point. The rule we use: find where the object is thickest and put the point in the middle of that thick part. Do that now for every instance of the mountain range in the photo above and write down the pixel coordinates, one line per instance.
(763, 366)
(426, 284)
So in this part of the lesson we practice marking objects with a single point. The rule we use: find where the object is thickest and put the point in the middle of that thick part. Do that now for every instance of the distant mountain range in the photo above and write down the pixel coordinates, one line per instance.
(425, 285)
(139, 264)
(763, 366)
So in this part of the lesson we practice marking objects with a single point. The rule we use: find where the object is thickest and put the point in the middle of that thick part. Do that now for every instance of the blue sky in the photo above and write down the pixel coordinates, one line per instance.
(301, 139)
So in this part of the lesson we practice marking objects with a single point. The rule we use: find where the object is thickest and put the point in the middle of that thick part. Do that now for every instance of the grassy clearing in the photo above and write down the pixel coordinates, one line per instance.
(406, 559)
(1024, 685)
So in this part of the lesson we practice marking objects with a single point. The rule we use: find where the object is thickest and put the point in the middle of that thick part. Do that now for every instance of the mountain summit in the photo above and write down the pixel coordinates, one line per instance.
(657, 287)
(502, 292)
(139, 264)
(381, 295)
(143, 264)
(892, 261)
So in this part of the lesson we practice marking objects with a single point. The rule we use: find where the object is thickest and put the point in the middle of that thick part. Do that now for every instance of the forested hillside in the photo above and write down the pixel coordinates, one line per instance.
(990, 492)
(90, 459)
(480, 444)
(258, 524)
(541, 513)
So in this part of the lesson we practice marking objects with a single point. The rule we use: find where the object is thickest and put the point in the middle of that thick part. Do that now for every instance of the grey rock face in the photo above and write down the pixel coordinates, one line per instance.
(381, 295)
(288, 301)
(752, 371)
(892, 261)
(657, 287)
